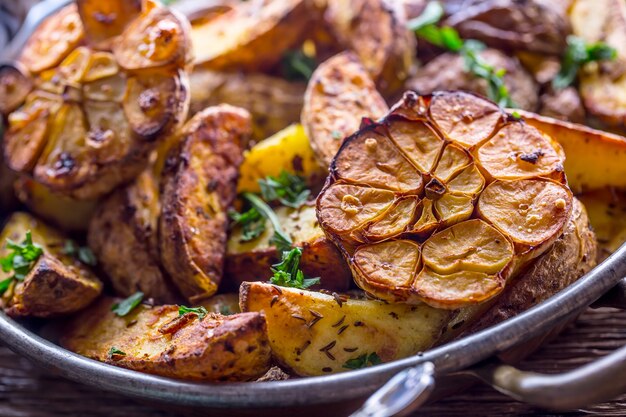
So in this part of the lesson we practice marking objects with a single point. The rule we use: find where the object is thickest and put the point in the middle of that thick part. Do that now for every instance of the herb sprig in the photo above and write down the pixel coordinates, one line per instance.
(115, 352)
(251, 222)
(20, 260)
(82, 253)
(127, 305)
(280, 239)
(297, 66)
(201, 312)
(289, 189)
(578, 53)
(288, 274)
(363, 361)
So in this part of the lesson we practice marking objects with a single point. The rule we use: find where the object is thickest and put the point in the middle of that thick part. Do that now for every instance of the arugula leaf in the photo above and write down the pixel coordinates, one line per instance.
(578, 53)
(20, 260)
(280, 239)
(289, 189)
(82, 253)
(115, 352)
(297, 66)
(126, 306)
(287, 273)
(363, 361)
(201, 312)
(251, 221)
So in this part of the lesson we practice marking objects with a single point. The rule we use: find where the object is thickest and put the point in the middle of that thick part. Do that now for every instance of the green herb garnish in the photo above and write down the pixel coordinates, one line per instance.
(225, 310)
(115, 352)
(289, 189)
(126, 306)
(279, 239)
(82, 253)
(251, 222)
(288, 274)
(578, 53)
(297, 66)
(20, 260)
(201, 312)
(363, 361)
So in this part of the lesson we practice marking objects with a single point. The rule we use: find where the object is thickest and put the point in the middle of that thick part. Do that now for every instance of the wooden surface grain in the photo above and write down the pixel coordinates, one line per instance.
(26, 391)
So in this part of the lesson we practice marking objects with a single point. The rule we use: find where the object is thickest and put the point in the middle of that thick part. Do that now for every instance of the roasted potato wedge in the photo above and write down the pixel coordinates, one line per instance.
(199, 184)
(455, 172)
(376, 31)
(162, 342)
(273, 103)
(90, 122)
(339, 95)
(606, 208)
(252, 36)
(311, 333)
(447, 72)
(252, 260)
(584, 148)
(123, 233)
(603, 85)
(57, 283)
(288, 150)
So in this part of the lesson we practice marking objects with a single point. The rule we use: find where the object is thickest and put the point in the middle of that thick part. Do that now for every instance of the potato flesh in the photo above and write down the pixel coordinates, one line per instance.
(456, 238)
(14, 87)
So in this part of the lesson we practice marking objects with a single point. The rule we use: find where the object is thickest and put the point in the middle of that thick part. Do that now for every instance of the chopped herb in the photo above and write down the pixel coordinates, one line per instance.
(115, 352)
(225, 310)
(578, 53)
(297, 66)
(287, 273)
(279, 239)
(126, 306)
(251, 222)
(82, 253)
(516, 114)
(289, 189)
(201, 312)
(20, 260)
(363, 361)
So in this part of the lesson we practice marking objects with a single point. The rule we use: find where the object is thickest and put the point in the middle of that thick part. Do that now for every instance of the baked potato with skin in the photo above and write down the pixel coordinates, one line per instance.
(123, 233)
(447, 72)
(91, 119)
(252, 260)
(159, 341)
(339, 95)
(273, 103)
(198, 185)
(311, 333)
(57, 284)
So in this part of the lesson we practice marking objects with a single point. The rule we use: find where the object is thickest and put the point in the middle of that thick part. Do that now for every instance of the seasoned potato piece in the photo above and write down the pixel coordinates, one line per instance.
(57, 283)
(340, 93)
(252, 260)
(252, 36)
(123, 234)
(225, 304)
(288, 150)
(489, 196)
(606, 208)
(447, 72)
(89, 124)
(162, 342)
(198, 186)
(376, 31)
(273, 103)
(312, 333)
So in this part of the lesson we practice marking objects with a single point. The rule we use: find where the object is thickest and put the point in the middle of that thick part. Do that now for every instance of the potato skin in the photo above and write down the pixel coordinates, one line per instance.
(57, 284)
(340, 93)
(199, 184)
(160, 342)
(304, 325)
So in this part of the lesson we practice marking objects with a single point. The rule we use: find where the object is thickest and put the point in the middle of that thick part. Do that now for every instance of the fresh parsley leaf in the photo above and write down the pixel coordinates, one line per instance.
(251, 222)
(21, 258)
(516, 115)
(279, 239)
(115, 352)
(578, 53)
(363, 361)
(201, 312)
(289, 189)
(82, 253)
(297, 66)
(126, 306)
(288, 274)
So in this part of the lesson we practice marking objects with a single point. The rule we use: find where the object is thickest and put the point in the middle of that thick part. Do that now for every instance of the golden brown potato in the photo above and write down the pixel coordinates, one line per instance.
(252, 260)
(447, 72)
(57, 283)
(16, 84)
(103, 20)
(199, 184)
(162, 342)
(252, 36)
(273, 103)
(312, 333)
(484, 192)
(606, 208)
(123, 236)
(339, 95)
(90, 122)
(376, 31)
(603, 84)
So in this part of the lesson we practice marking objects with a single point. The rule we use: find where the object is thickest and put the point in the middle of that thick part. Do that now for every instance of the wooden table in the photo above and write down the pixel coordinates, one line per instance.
(25, 391)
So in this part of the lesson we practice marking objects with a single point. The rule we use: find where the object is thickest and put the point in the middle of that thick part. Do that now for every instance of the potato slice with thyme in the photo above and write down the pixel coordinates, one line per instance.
(468, 196)
(198, 186)
(312, 333)
(53, 281)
